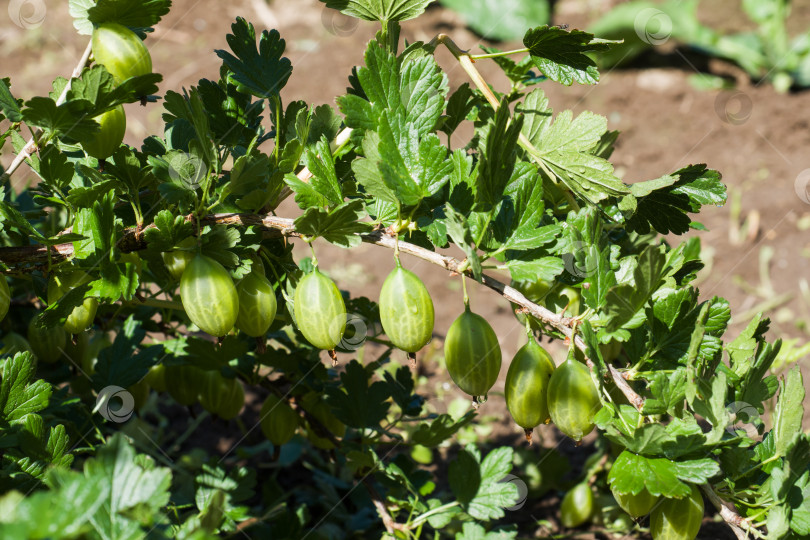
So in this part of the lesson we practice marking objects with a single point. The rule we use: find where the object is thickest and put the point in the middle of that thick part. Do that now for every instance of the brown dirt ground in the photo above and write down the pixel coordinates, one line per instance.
(665, 124)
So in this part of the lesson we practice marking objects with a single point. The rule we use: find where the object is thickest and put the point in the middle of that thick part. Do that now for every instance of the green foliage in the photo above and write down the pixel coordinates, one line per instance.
(767, 53)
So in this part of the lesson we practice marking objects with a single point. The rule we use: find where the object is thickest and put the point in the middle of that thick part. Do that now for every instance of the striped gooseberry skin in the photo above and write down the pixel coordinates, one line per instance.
(221, 396)
(113, 127)
(121, 51)
(82, 316)
(678, 519)
(47, 343)
(572, 399)
(209, 296)
(156, 378)
(177, 259)
(257, 304)
(637, 505)
(472, 354)
(185, 383)
(526, 385)
(577, 506)
(406, 310)
(320, 312)
(278, 420)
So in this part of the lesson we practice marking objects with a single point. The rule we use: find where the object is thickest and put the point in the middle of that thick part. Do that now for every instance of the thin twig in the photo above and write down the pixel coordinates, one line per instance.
(389, 522)
(305, 174)
(742, 527)
(30, 146)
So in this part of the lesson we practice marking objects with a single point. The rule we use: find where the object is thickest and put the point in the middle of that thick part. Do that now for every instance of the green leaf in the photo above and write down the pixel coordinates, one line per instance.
(9, 105)
(543, 268)
(505, 20)
(624, 301)
(440, 429)
(411, 168)
(249, 172)
(131, 174)
(459, 106)
(95, 91)
(340, 226)
(57, 312)
(402, 391)
(357, 403)
(111, 371)
(169, 230)
(459, 230)
(669, 392)
(231, 115)
(53, 167)
(599, 277)
(18, 396)
(565, 147)
(131, 13)
(62, 512)
(663, 204)
(12, 217)
(320, 162)
(261, 71)
(631, 473)
(138, 489)
(86, 196)
(60, 121)
(498, 163)
(474, 531)
(477, 484)
(561, 55)
(413, 91)
(789, 411)
(711, 405)
(380, 10)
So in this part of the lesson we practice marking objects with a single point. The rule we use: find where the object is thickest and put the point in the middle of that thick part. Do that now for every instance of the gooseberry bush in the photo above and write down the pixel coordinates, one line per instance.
(163, 277)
